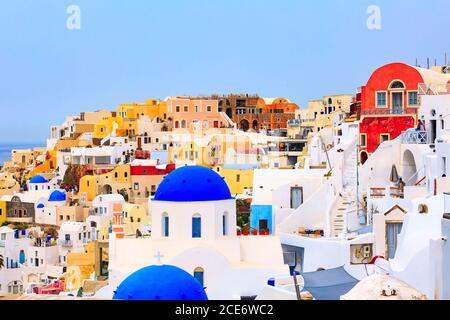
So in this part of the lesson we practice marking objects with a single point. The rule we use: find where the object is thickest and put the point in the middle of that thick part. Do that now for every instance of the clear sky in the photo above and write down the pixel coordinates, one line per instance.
(128, 51)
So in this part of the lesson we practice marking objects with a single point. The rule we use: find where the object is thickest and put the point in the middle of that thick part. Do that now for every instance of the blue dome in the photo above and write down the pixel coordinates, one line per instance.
(160, 283)
(57, 196)
(40, 206)
(38, 179)
(192, 183)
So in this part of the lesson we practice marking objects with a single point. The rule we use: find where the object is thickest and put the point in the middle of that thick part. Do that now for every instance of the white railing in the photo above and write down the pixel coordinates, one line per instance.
(415, 137)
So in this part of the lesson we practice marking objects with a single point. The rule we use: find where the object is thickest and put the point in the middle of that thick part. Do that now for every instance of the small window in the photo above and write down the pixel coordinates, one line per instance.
(165, 225)
(363, 140)
(186, 109)
(381, 99)
(199, 275)
(397, 85)
(136, 186)
(208, 108)
(238, 178)
(196, 226)
(178, 108)
(413, 99)
(384, 137)
(125, 174)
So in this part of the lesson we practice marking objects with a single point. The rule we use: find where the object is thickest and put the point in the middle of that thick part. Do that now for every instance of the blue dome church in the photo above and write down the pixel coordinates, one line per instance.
(160, 282)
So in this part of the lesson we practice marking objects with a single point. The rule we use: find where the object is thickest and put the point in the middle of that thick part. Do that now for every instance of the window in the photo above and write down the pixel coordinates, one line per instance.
(238, 178)
(381, 99)
(397, 85)
(196, 108)
(186, 109)
(296, 197)
(196, 226)
(413, 98)
(178, 108)
(199, 275)
(165, 225)
(125, 174)
(208, 108)
(136, 186)
(116, 175)
(224, 225)
(384, 137)
(363, 140)
(183, 124)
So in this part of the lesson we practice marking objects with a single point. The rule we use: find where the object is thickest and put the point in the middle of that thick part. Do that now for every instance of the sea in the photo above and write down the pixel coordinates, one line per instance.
(6, 147)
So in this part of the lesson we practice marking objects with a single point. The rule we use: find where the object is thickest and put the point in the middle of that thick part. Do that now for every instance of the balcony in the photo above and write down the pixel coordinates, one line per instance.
(65, 243)
(386, 111)
(414, 137)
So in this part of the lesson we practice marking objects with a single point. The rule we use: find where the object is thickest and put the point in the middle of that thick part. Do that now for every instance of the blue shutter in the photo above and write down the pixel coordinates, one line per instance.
(199, 276)
(166, 226)
(196, 227)
(224, 225)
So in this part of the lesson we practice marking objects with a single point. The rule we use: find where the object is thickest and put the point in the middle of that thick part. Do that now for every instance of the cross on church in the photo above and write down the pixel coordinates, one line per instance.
(158, 256)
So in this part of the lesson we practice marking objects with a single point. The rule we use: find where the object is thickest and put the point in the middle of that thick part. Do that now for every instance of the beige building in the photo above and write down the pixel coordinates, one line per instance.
(322, 113)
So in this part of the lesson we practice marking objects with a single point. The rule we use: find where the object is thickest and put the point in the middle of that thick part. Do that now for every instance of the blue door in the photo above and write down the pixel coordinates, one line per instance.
(196, 227)
(393, 229)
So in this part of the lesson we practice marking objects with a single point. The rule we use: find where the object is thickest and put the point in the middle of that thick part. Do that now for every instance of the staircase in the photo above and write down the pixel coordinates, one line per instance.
(347, 199)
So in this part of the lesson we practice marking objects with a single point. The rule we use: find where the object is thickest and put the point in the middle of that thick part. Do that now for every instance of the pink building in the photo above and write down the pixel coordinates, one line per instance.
(190, 113)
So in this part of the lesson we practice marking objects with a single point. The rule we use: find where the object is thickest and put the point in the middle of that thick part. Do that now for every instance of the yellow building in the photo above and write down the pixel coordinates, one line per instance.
(2, 212)
(107, 183)
(238, 180)
(80, 266)
(134, 216)
(49, 164)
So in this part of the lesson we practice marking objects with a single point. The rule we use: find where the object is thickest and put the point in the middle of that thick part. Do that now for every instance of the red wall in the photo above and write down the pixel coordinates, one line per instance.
(382, 78)
(151, 170)
(374, 126)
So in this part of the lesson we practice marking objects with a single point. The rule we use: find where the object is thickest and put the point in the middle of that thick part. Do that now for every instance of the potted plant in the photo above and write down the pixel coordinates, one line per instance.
(254, 232)
(245, 232)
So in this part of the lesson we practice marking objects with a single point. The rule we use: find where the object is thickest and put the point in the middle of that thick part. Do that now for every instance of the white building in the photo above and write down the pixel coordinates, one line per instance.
(194, 228)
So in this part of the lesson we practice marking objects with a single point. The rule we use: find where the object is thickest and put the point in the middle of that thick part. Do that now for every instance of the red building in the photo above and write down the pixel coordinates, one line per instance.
(389, 103)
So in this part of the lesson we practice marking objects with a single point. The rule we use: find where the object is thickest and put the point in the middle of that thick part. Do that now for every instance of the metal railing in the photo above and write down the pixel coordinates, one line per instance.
(414, 137)
(65, 243)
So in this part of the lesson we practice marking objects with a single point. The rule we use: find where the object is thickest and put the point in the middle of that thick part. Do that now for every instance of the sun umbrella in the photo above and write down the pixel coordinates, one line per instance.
(394, 174)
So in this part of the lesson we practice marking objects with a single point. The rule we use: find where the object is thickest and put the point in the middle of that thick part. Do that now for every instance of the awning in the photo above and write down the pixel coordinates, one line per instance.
(329, 284)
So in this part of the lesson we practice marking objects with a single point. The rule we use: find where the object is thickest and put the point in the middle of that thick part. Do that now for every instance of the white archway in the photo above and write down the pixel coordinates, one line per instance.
(409, 168)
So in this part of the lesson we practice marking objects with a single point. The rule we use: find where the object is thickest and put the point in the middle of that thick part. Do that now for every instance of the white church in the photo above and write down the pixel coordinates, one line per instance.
(194, 228)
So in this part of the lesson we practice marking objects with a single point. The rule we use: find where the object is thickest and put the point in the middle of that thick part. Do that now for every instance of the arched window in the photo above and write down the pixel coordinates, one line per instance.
(177, 124)
(196, 226)
(224, 224)
(183, 124)
(165, 225)
(397, 85)
(199, 274)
